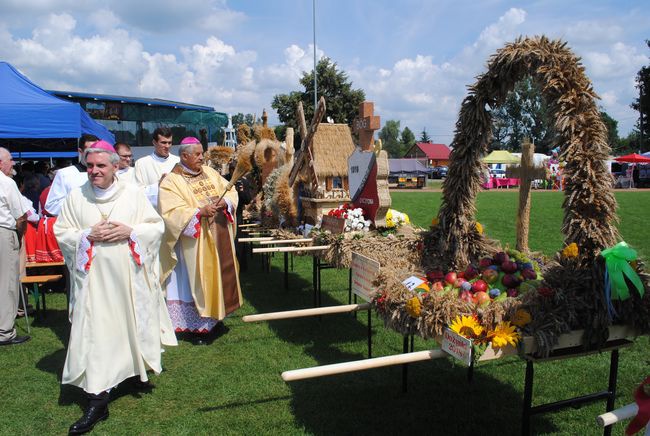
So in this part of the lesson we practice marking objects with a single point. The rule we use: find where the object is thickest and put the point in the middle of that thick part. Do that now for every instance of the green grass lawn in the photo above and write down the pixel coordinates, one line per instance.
(233, 385)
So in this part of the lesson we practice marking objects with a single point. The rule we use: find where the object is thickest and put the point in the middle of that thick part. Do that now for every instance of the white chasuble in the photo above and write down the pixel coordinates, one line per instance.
(118, 315)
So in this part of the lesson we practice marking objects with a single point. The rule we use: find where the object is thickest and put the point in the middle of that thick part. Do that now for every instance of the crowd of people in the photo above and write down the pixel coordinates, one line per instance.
(149, 251)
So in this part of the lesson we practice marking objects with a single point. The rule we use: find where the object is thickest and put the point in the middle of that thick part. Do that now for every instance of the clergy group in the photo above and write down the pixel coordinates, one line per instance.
(150, 254)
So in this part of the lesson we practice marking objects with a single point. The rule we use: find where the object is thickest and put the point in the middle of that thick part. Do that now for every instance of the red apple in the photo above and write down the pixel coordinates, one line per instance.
(466, 296)
(481, 298)
(451, 277)
(437, 286)
(459, 282)
(529, 274)
(461, 274)
(490, 275)
(436, 275)
(471, 272)
(509, 267)
(501, 257)
(485, 262)
(479, 286)
(510, 281)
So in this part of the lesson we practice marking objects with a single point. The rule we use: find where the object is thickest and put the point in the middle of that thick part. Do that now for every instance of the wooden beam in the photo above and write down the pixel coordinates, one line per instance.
(241, 226)
(286, 241)
(303, 313)
(256, 239)
(617, 415)
(289, 249)
(362, 365)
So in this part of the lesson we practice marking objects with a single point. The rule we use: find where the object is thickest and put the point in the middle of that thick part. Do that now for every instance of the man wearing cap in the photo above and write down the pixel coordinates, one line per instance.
(125, 172)
(12, 223)
(150, 169)
(197, 256)
(110, 236)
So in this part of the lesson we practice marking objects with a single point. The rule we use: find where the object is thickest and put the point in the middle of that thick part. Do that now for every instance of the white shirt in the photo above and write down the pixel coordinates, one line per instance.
(65, 180)
(11, 205)
(149, 170)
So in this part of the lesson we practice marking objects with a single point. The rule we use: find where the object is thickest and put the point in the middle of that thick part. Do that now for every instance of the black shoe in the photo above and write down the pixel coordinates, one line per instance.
(15, 341)
(93, 415)
(141, 386)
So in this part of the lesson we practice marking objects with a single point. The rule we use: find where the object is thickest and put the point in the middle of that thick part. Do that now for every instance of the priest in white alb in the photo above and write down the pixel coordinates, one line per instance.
(110, 236)
(149, 170)
(197, 256)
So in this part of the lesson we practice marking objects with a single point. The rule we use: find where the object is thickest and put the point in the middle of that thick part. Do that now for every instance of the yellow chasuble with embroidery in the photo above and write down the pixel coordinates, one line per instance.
(209, 254)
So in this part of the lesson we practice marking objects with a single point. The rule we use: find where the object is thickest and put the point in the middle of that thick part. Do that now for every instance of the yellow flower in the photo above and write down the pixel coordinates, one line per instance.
(413, 307)
(389, 218)
(504, 334)
(434, 222)
(466, 326)
(406, 219)
(521, 318)
(570, 250)
(479, 228)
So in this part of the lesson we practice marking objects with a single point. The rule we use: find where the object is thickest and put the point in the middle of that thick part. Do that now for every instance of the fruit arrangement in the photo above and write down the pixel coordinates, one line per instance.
(507, 274)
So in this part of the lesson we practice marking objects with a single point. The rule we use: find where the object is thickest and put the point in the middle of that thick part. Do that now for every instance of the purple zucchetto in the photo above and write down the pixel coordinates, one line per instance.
(190, 140)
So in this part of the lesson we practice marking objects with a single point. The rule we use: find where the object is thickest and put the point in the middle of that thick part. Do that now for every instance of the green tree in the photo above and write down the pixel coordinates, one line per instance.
(642, 105)
(389, 135)
(523, 114)
(612, 131)
(407, 139)
(341, 99)
(424, 137)
(240, 118)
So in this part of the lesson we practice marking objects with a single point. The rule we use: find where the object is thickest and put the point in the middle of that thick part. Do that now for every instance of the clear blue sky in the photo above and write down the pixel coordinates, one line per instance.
(413, 58)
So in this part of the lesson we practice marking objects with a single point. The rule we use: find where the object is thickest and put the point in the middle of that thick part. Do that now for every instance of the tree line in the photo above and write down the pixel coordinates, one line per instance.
(523, 114)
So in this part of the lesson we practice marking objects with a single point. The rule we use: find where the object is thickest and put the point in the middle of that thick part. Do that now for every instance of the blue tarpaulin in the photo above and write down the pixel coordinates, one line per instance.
(27, 111)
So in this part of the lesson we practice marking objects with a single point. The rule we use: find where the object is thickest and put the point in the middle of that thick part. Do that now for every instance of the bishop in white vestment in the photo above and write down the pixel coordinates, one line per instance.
(110, 236)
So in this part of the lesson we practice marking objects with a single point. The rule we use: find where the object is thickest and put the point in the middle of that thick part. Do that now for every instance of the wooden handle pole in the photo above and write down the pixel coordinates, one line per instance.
(255, 239)
(303, 313)
(286, 241)
(289, 249)
(617, 415)
(249, 225)
(361, 365)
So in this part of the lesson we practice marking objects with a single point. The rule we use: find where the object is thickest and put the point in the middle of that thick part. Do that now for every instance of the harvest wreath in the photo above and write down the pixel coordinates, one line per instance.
(502, 294)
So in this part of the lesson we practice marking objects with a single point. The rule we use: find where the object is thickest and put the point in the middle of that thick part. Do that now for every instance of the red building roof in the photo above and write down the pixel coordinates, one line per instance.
(434, 151)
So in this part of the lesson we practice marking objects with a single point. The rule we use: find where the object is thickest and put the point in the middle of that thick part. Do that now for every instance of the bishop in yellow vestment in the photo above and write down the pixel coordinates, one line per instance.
(199, 267)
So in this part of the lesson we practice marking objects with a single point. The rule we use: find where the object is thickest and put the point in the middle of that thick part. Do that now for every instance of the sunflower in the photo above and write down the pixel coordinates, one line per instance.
(504, 334)
(466, 326)
(414, 307)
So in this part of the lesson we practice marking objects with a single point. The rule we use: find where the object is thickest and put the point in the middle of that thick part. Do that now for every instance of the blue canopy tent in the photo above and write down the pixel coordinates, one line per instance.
(27, 112)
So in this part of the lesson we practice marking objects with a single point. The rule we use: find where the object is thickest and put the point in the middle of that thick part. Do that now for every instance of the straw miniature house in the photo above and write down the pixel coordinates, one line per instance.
(331, 147)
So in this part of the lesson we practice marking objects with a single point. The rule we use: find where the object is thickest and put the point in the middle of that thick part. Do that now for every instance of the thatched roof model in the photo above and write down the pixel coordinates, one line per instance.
(332, 146)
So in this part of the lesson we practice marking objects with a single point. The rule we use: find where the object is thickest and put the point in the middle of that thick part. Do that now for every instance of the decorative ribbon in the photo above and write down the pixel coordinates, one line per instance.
(616, 261)
(642, 399)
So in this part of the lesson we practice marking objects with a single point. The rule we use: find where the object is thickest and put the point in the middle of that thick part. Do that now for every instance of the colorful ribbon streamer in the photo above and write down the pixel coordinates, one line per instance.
(616, 261)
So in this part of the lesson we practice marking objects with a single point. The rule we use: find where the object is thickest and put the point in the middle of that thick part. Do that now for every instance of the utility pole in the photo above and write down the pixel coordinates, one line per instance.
(315, 74)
